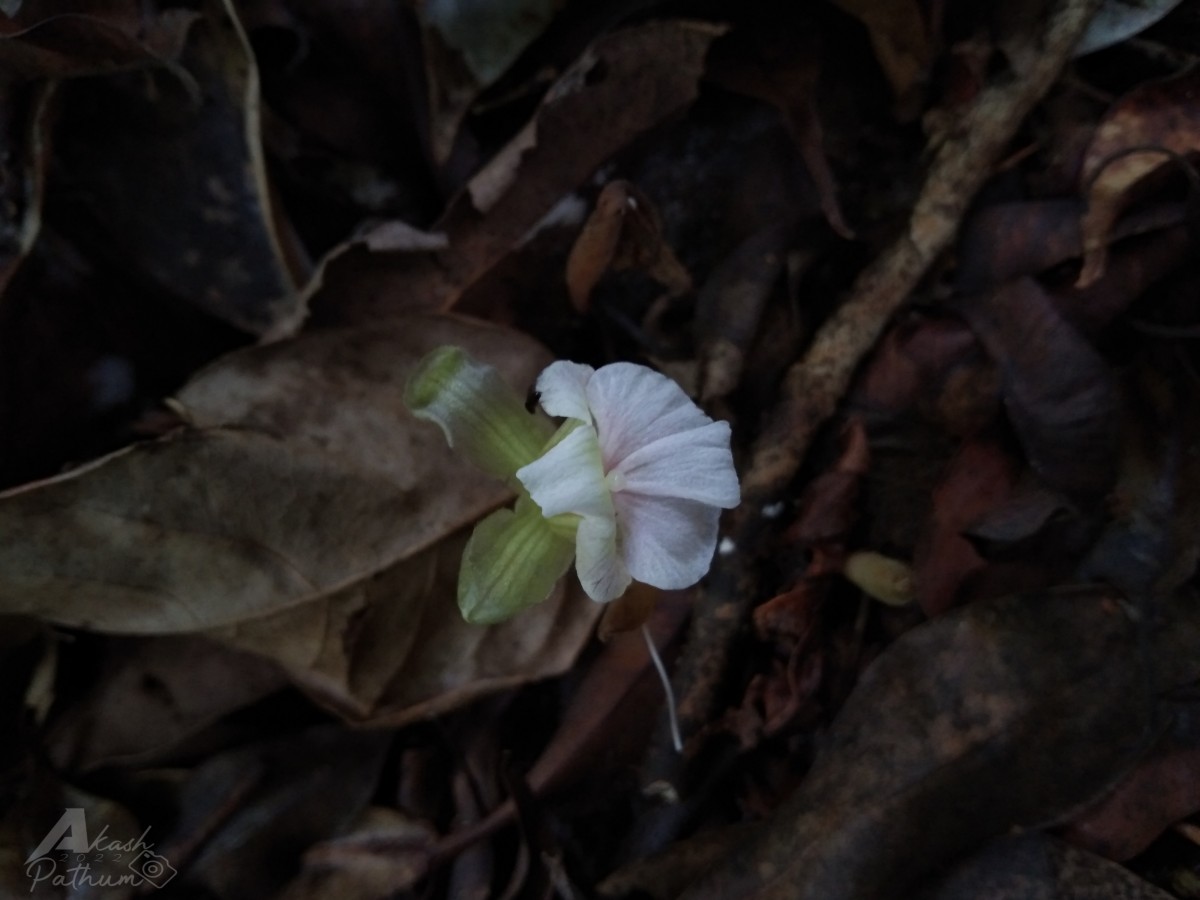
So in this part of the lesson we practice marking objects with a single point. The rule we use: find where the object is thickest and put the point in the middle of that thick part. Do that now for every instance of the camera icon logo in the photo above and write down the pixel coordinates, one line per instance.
(152, 867)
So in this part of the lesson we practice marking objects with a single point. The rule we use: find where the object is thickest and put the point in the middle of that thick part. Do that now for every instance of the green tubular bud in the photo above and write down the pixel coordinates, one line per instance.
(482, 417)
(512, 561)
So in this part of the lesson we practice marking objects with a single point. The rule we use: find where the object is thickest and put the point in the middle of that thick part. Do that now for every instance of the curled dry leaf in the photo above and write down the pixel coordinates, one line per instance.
(623, 232)
(300, 517)
(1008, 713)
(1006, 241)
(138, 138)
(1057, 389)
(1144, 134)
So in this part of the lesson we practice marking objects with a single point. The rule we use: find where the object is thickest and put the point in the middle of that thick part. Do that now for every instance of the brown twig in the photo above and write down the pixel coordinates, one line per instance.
(814, 385)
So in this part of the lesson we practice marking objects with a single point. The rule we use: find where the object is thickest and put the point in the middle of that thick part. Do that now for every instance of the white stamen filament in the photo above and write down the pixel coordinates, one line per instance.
(676, 739)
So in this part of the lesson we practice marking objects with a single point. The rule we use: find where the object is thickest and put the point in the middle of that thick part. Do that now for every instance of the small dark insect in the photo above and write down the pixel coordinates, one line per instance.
(531, 399)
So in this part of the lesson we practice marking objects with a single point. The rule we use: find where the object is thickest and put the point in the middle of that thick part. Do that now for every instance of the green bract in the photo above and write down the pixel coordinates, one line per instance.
(515, 556)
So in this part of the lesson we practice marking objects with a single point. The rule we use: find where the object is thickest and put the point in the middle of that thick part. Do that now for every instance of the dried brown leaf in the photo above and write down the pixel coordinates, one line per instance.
(394, 649)
(622, 86)
(623, 232)
(468, 46)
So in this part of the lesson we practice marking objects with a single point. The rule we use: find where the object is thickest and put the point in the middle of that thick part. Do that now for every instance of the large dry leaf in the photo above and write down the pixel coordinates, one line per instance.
(1145, 133)
(1007, 714)
(318, 479)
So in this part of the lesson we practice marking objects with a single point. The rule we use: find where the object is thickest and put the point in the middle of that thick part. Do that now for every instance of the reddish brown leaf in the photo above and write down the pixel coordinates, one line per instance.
(623, 232)
(978, 479)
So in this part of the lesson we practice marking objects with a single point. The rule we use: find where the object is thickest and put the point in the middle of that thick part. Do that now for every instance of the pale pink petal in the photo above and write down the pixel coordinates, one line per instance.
(568, 477)
(634, 406)
(562, 387)
(667, 543)
(690, 465)
(602, 572)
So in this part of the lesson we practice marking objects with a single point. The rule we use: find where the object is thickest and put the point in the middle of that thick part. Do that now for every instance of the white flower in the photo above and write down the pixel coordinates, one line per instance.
(630, 487)
(645, 470)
